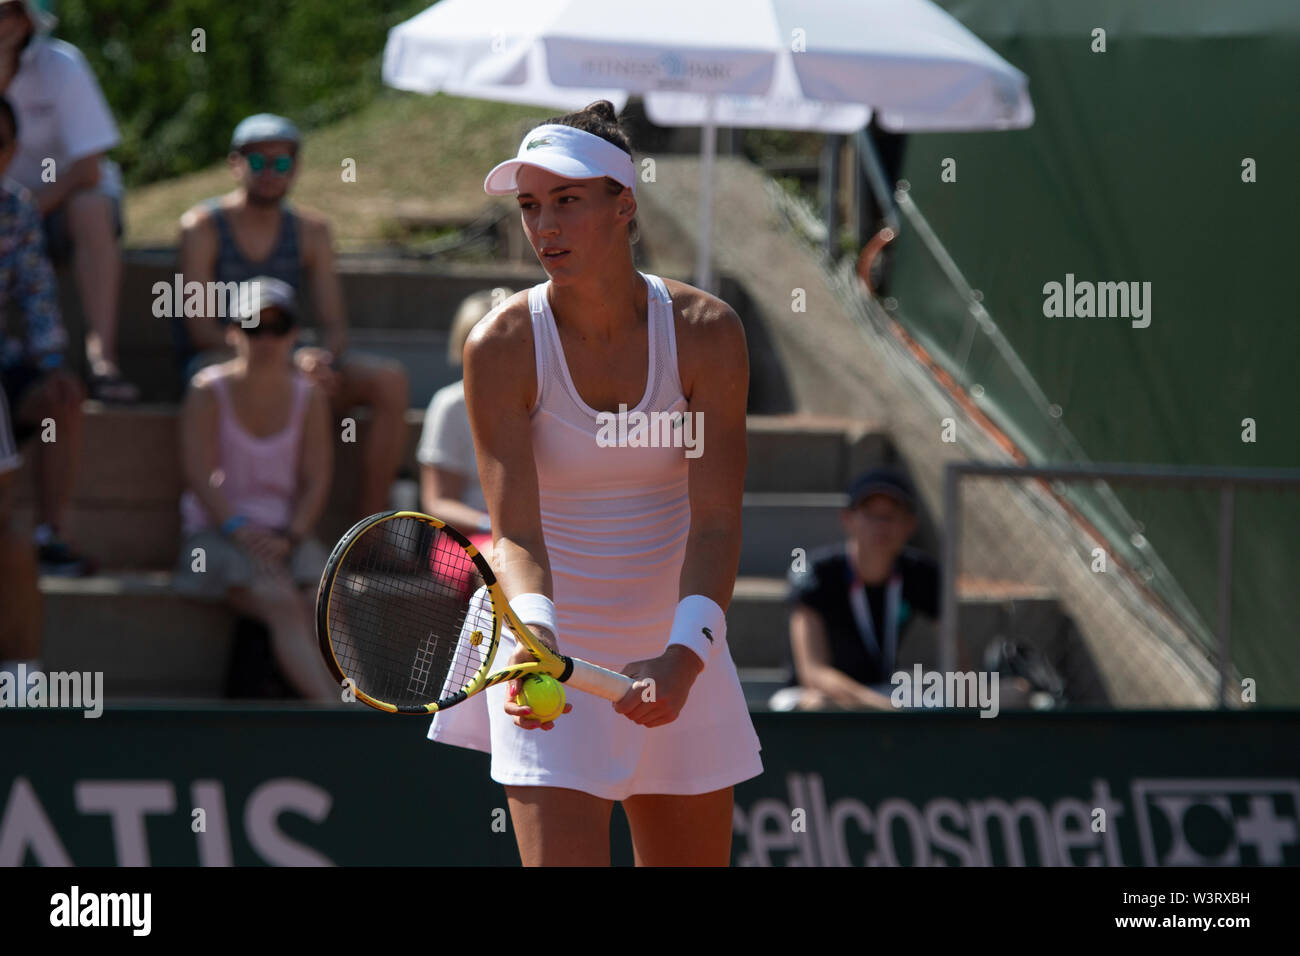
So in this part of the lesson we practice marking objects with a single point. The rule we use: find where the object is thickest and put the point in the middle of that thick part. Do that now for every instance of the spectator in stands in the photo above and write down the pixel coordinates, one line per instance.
(254, 231)
(449, 485)
(20, 638)
(852, 604)
(67, 129)
(257, 449)
(37, 388)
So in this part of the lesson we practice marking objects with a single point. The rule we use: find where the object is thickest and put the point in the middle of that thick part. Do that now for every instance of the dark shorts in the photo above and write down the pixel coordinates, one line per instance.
(17, 381)
(58, 238)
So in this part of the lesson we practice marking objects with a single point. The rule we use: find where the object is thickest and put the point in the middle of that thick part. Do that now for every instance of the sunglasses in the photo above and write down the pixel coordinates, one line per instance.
(258, 162)
(11, 10)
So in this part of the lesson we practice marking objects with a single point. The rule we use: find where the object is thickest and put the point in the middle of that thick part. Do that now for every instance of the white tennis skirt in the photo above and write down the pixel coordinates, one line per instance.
(595, 749)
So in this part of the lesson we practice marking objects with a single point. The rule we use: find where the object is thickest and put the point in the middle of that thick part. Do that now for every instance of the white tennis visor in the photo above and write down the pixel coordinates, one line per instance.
(565, 151)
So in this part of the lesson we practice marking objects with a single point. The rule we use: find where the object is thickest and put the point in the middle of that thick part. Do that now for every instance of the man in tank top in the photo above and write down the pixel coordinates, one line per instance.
(253, 231)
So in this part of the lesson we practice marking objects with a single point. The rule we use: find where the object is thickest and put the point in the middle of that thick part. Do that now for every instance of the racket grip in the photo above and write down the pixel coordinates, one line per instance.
(599, 681)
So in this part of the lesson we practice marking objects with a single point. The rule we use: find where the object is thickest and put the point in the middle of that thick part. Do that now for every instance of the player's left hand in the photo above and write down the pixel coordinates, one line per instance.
(662, 686)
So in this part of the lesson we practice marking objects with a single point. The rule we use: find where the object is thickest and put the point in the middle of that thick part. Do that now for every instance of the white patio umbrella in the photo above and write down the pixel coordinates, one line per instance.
(483, 49)
(802, 64)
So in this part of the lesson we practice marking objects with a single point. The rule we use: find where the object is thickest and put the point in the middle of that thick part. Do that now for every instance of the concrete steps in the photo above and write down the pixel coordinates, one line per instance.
(125, 499)
(144, 535)
(382, 294)
(180, 647)
(153, 643)
(125, 514)
(147, 640)
(397, 307)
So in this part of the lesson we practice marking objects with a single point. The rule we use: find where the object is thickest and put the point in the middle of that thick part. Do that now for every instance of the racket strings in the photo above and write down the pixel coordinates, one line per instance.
(410, 619)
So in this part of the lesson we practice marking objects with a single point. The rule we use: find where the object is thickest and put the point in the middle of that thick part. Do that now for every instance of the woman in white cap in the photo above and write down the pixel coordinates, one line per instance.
(621, 552)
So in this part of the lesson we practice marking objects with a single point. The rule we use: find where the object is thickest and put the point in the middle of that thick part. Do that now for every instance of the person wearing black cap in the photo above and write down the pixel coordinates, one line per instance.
(852, 604)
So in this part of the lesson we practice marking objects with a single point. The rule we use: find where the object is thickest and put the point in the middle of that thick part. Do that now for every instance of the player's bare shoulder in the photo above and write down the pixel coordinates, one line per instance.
(702, 316)
(710, 335)
(507, 327)
(501, 343)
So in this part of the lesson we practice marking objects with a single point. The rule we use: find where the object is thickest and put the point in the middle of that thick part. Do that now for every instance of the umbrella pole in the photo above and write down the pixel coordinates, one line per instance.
(703, 250)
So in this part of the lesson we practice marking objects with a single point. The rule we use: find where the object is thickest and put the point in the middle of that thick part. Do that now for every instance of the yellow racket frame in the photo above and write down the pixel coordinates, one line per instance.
(597, 680)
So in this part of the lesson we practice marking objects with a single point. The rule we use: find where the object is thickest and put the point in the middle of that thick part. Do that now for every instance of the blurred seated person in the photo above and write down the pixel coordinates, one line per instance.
(449, 485)
(254, 231)
(20, 595)
(36, 385)
(852, 604)
(66, 131)
(257, 450)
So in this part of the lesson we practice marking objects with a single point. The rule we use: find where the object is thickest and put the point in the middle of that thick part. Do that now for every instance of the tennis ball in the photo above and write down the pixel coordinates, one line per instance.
(544, 694)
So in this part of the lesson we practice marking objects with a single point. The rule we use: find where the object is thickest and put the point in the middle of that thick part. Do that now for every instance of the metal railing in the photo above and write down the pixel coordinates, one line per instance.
(1160, 605)
(1227, 480)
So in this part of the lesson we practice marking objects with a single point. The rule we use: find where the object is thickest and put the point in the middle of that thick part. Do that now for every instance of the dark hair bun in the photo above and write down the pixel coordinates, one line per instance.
(600, 119)
(604, 110)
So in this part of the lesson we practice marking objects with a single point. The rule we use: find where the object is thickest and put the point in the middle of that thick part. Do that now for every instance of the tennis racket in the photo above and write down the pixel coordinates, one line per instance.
(410, 613)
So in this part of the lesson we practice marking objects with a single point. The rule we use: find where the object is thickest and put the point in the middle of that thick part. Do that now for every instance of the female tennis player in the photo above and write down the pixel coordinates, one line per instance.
(624, 554)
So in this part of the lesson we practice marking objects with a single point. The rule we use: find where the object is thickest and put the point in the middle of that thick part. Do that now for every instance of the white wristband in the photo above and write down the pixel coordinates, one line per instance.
(535, 610)
(699, 624)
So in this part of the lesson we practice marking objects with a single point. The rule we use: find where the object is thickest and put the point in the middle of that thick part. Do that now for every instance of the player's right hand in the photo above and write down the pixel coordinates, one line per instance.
(520, 655)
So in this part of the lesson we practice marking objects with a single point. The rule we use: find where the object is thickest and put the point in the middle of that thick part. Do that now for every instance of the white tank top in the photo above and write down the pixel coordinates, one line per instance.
(615, 519)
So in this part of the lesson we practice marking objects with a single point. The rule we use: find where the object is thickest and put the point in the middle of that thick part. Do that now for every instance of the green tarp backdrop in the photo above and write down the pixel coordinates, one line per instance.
(1133, 173)
(298, 787)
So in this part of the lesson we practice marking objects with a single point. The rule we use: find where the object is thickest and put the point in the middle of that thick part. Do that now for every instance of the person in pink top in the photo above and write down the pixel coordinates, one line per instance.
(257, 459)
